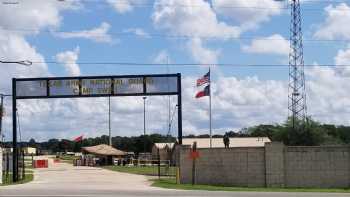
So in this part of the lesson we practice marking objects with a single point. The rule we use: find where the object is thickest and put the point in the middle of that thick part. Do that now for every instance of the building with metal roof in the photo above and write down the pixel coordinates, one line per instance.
(234, 142)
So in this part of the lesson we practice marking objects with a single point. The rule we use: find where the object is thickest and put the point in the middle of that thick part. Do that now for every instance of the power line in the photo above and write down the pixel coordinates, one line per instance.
(227, 6)
(114, 63)
(168, 36)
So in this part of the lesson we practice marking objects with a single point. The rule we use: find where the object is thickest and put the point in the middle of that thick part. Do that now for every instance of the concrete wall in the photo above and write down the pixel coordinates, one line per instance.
(274, 161)
(317, 167)
(274, 165)
(220, 166)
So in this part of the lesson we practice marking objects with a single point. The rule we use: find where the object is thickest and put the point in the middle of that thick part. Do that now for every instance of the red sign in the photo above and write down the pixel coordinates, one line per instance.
(41, 163)
(194, 154)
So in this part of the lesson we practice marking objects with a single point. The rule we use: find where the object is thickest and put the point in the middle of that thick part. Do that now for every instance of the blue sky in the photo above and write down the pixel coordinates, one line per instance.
(75, 31)
(129, 47)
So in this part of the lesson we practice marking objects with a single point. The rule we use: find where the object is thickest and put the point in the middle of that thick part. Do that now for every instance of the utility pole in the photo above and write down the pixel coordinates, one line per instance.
(296, 88)
(2, 114)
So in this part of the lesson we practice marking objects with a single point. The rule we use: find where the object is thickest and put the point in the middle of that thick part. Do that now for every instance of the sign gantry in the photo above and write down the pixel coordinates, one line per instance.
(93, 86)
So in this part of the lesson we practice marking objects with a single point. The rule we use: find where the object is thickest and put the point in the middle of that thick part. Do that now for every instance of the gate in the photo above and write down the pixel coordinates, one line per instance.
(93, 86)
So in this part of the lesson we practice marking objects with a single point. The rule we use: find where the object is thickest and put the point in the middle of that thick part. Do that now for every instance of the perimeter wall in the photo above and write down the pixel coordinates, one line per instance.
(274, 165)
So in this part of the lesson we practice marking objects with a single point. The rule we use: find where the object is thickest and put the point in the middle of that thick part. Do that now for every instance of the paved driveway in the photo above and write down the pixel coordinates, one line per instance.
(65, 180)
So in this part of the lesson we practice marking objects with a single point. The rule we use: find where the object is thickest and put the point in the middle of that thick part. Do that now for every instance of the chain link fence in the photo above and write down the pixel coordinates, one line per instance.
(7, 166)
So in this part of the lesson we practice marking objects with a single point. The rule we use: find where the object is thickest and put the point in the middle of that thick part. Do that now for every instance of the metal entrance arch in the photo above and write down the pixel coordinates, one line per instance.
(93, 86)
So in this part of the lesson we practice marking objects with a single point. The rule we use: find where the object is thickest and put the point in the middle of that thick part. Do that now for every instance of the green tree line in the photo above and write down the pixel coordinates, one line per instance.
(314, 134)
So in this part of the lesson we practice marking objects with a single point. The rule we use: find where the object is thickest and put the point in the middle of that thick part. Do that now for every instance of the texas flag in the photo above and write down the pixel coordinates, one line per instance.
(205, 92)
(78, 139)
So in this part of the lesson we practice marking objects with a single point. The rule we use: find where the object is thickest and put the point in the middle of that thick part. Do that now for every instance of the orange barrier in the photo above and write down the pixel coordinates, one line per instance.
(56, 160)
(41, 163)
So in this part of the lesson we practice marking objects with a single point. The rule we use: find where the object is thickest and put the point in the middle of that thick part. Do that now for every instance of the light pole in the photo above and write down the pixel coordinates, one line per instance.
(2, 113)
(144, 123)
(14, 111)
(2, 96)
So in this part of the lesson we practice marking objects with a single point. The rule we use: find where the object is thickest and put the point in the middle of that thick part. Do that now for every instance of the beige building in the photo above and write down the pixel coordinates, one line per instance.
(29, 150)
(234, 142)
(168, 151)
(165, 151)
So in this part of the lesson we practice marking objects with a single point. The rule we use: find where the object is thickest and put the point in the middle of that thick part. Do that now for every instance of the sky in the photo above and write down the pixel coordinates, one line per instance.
(60, 37)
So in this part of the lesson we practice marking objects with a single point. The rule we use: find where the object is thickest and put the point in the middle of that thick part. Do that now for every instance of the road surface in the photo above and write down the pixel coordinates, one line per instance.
(67, 181)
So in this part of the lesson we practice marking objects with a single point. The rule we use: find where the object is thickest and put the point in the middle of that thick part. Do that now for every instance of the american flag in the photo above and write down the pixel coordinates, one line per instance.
(205, 79)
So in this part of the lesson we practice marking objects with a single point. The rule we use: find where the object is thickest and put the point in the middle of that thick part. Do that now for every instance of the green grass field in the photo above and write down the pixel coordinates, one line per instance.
(29, 177)
(143, 170)
(67, 158)
(171, 184)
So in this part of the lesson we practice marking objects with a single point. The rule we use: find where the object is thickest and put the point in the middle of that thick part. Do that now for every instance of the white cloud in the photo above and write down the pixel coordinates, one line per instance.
(35, 15)
(124, 6)
(202, 54)
(249, 16)
(236, 103)
(328, 96)
(138, 32)
(200, 21)
(343, 57)
(14, 47)
(180, 18)
(162, 57)
(69, 61)
(336, 24)
(98, 34)
(343, 60)
(275, 44)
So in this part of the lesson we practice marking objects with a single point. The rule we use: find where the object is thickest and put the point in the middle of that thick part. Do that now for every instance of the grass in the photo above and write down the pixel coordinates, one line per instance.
(142, 170)
(28, 178)
(67, 158)
(171, 184)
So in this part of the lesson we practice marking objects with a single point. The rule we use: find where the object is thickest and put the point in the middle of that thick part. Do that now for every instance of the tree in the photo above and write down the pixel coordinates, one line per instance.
(32, 143)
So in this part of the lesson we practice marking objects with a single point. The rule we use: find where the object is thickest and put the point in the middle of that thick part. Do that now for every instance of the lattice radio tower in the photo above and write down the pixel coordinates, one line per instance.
(296, 88)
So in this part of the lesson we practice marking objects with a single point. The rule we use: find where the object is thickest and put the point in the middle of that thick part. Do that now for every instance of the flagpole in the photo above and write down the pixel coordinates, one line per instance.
(210, 131)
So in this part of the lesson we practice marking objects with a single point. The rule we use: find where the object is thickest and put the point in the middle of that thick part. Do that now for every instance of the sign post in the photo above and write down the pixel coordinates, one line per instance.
(93, 86)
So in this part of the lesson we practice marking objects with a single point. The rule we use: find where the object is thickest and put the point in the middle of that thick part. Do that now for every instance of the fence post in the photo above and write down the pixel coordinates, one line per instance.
(23, 167)
(177, 175)
(7, 167)
(158, 164)
(32, 160)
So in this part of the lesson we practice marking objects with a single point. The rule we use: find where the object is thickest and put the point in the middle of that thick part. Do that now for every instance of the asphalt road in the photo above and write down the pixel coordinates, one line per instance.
(64, 180)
